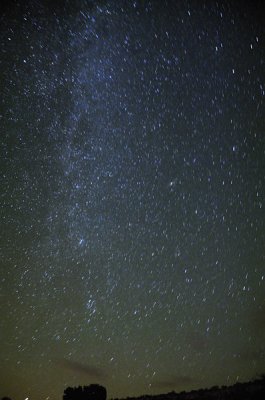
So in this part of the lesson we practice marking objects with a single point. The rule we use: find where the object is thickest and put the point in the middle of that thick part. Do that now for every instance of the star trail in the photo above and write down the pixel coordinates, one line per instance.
(132, 241)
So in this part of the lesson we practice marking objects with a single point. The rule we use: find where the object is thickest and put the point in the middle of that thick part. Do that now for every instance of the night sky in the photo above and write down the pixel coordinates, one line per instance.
(132, 213)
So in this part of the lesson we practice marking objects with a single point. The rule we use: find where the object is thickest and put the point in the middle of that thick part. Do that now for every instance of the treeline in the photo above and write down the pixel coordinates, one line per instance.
(253, 390)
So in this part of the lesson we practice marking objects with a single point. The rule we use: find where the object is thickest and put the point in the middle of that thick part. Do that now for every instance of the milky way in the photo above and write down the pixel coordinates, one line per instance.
(132, 195)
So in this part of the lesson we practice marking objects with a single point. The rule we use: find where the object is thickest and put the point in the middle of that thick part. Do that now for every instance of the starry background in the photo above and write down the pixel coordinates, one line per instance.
(132, 249)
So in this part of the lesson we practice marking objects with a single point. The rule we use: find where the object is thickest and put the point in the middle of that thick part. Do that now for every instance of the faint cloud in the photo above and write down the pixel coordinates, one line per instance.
(250, 355)
(197, 341)
(258, 319)
(89, 370)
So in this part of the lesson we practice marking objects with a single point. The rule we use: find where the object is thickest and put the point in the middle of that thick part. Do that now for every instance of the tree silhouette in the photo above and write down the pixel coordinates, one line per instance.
(91, 392)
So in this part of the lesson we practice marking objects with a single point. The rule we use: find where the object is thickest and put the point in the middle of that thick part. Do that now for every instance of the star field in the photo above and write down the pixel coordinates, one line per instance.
(132, 249)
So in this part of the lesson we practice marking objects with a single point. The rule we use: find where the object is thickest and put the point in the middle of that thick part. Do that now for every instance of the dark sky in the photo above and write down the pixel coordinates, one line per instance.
(132, 248)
